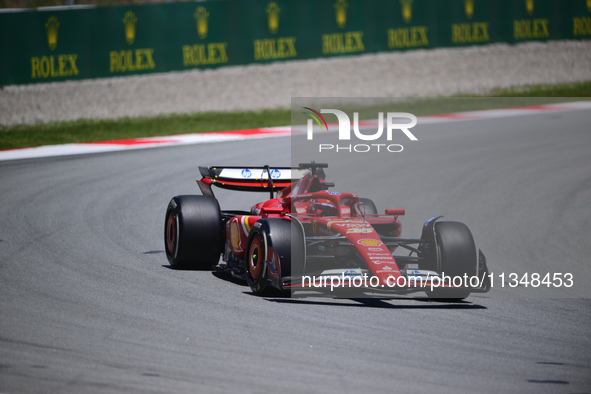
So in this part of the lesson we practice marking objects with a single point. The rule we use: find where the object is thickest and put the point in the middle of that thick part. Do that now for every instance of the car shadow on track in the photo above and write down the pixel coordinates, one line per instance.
(229, 278)
(426, 303)
(170, 267)
(148, 252)
(364, 302)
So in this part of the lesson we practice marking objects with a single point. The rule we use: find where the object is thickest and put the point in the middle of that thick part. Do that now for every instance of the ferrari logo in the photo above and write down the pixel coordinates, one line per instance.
(341, 12)
(529, 6)
(273, 11)
(406, 10)
(201, 16)
(469, 8)
(129, 21)
(51, 26)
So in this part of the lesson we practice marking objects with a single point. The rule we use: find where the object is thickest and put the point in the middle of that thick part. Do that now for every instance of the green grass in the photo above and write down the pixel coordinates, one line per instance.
(528, 95)
(578, 89)
(104, 130)
(12, 137)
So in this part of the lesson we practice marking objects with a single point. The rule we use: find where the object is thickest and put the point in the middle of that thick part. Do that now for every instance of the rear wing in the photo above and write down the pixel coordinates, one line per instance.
(250, 179)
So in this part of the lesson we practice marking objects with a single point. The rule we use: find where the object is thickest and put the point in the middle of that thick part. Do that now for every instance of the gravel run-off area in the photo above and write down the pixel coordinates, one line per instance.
(402, 74)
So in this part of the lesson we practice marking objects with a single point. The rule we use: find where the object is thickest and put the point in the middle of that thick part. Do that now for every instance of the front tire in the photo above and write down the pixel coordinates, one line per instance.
(457, 257)
(193, 237)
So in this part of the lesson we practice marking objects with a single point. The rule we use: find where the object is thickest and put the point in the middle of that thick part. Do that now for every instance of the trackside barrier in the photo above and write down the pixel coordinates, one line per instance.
(63, 43)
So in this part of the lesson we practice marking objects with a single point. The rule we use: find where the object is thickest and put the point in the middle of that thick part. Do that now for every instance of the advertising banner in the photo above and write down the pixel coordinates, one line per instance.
(64, 43)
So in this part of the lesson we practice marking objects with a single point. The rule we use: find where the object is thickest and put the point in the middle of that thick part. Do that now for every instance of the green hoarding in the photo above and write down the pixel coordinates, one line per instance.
(57, 44)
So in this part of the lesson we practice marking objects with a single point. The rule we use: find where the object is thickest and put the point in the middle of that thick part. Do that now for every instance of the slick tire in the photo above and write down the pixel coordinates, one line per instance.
(268, 236)
(193, 232)
(457, 256)
(256, 260)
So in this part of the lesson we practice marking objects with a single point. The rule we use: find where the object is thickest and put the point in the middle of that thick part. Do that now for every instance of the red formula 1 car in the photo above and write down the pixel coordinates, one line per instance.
(306, 237)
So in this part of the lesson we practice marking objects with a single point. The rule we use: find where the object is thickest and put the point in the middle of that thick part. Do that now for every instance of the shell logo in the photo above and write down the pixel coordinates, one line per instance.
(370, 242)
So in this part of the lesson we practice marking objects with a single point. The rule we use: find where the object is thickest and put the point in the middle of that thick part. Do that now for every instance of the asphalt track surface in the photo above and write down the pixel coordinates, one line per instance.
(89, 304)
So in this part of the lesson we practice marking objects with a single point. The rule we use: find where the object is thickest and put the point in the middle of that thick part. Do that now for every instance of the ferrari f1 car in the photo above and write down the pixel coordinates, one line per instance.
(307, 237)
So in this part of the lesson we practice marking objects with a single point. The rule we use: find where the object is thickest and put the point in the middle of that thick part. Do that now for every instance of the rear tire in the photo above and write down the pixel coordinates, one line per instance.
(457, 256)
(256, 260)
(266, 236)
(193, 237)
(297, 251)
